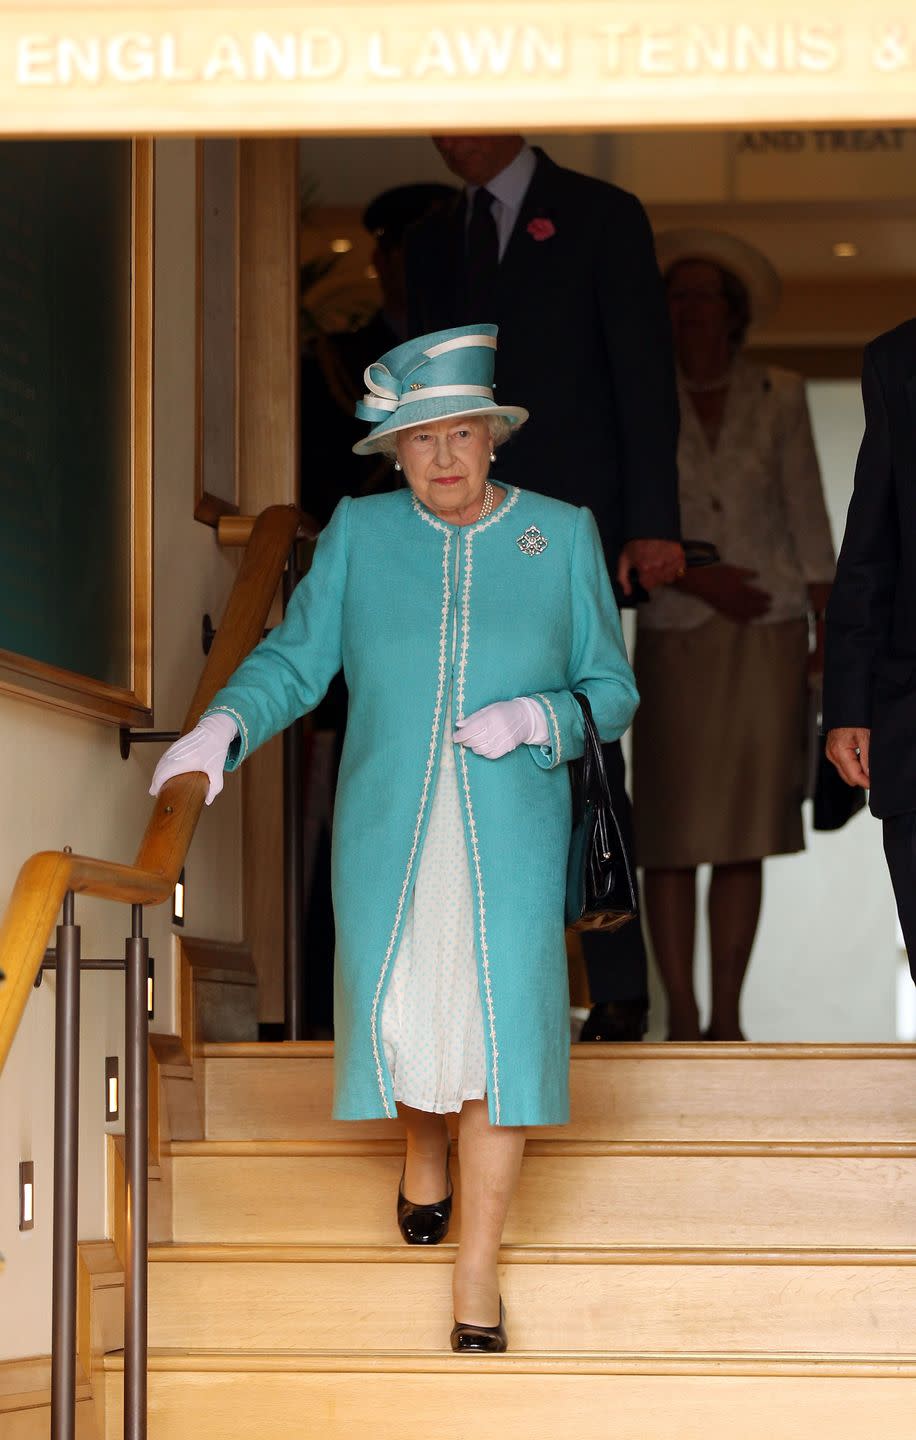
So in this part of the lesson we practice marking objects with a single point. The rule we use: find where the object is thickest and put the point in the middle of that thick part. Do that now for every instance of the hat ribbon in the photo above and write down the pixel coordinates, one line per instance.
(382, 399)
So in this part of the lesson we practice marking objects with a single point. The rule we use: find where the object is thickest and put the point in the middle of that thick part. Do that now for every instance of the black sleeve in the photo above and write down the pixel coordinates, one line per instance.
(859, 610)
(644, 392)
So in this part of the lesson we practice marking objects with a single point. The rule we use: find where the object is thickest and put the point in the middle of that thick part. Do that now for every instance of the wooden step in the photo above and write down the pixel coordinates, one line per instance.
(588, 1194)
(619, 1092)
(424, 1396)
(327, 1297)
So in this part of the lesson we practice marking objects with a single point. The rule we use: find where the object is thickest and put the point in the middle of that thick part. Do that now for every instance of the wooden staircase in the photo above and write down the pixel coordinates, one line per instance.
(721, 1243)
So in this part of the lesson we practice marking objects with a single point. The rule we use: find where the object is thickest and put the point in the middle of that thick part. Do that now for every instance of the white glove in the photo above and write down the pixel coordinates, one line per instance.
(499, 728)
(204, 748)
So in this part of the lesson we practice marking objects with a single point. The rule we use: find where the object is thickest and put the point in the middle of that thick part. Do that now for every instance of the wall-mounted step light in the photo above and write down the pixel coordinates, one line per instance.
(26, 1195)
(111, 1088)
(178, 900)
(151, 988)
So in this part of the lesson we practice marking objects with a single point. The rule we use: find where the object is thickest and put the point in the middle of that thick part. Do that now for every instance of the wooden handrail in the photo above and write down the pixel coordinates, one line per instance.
(46, 876)
(234, 531)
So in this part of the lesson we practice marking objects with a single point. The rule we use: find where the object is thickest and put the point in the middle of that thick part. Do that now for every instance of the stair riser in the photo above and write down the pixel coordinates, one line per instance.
(624, 1098)
(359, 1306)
(517, 1407)
(698, 1201)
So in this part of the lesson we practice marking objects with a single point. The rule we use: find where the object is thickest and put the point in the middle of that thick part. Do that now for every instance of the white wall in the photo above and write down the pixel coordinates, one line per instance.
(63, 782)
(826, 959)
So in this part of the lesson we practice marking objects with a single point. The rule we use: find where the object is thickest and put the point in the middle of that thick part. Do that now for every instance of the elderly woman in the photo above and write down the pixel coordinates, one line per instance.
(722, 656)
(465, 616)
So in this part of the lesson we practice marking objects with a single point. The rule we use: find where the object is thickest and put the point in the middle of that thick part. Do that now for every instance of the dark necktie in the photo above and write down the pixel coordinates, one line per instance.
(483, 258)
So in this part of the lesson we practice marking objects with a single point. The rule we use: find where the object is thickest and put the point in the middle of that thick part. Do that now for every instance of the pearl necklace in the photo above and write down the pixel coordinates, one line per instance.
(489, 495)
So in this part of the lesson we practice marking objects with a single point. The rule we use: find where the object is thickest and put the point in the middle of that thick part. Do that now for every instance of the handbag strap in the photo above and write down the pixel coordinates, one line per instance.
(593, 757)
(606, 820)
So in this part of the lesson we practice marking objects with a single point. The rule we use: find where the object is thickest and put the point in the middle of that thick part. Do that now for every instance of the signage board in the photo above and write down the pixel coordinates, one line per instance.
(354, 67)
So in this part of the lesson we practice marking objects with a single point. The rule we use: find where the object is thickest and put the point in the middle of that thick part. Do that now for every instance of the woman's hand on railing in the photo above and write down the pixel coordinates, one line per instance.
(204, 748)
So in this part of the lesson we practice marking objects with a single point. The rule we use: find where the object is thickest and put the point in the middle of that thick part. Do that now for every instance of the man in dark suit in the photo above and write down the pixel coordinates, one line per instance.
(870, 673)
(565, 265)
(331, 375)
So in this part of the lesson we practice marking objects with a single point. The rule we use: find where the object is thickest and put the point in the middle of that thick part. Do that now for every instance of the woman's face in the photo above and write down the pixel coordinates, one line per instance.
(446, 464)
(696, 300)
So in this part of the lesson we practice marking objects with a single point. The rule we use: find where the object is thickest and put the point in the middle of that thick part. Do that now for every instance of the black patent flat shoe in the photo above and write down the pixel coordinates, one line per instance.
(425, 1224)
(481, 1339)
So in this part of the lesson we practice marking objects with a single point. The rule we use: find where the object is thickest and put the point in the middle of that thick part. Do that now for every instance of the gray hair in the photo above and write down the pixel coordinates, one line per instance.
(499, 427)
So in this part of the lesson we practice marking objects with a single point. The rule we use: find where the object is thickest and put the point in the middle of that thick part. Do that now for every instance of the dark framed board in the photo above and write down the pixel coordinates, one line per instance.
(75, 424)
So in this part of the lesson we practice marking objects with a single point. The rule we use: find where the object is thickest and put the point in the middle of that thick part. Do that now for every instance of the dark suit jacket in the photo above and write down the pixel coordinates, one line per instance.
(584, 344)
(870, 675)
(331, 381)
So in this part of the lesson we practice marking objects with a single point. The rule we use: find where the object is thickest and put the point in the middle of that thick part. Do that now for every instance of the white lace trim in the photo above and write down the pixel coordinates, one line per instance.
(558, 744)
(242, 727)
(430, 763)
(511, 500)
(484, 949)
(469, 531)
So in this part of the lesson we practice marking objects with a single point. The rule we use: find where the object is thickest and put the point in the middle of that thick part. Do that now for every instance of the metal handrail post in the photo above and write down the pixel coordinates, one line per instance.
(66, 1176)
(136, 1063)
(293, 855)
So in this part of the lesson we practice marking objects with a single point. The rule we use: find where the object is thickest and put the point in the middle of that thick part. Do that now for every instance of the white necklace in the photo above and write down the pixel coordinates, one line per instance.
(489, 495)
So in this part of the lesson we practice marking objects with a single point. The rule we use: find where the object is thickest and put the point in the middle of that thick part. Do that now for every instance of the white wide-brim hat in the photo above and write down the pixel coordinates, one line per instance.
(750, 265)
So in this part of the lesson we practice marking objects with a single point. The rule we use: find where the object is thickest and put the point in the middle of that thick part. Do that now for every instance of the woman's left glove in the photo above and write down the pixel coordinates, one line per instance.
(499, 728)
(203, 748)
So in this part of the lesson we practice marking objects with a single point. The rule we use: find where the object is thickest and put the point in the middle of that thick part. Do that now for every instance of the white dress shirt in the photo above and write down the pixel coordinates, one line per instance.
(508, 189)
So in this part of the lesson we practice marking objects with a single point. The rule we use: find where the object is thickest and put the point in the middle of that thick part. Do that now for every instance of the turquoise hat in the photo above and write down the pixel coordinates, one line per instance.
(449, 372)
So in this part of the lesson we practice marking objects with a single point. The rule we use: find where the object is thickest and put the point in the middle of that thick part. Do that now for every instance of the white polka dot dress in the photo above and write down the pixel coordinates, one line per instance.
(432, 1018)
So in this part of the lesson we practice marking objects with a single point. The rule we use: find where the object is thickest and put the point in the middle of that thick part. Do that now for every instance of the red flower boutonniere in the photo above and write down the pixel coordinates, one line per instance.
(541, 228)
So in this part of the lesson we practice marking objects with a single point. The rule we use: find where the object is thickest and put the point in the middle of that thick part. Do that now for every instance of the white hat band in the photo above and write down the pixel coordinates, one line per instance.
(426, 392)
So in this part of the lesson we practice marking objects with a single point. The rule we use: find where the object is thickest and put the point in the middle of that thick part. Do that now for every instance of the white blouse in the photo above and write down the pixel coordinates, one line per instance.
(757, 496)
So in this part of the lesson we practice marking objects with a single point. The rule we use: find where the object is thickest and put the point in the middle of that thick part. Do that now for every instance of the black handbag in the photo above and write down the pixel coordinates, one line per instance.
(600, 877)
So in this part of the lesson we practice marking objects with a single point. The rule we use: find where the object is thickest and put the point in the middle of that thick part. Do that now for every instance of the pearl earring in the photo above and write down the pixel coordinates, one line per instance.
(492, 456)
(397, 464)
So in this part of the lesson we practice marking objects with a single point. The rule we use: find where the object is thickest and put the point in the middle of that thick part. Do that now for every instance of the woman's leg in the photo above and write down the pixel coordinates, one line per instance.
(734, 909)
(671, 903)
(491, 1157)
(424, 1163)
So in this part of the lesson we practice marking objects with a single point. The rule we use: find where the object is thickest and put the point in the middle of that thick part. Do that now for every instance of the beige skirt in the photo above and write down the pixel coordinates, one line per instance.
(718, 743)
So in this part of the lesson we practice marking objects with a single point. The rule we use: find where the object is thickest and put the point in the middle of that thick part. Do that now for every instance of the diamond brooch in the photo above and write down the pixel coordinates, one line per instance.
(532, 542)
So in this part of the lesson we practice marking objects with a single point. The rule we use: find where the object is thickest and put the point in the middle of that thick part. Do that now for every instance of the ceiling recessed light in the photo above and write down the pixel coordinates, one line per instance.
(341, 245)
(845, 249)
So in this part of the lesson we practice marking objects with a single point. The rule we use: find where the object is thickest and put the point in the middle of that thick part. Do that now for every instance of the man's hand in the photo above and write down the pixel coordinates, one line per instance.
(847, 749)
(726, 588)
(656, 562)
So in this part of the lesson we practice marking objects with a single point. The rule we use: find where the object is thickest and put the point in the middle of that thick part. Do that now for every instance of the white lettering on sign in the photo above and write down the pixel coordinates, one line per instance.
(739, 49)
(132, 58)
(378, 64)
(35, 60)
(225, 61)
(634, 51)
(485, 51)
(436, 55)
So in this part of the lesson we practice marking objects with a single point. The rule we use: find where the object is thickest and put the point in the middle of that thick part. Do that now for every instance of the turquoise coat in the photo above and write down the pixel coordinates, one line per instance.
(412, 607)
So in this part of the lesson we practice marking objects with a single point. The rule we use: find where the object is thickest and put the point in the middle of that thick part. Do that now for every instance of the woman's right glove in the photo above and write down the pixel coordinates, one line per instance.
(204, 748)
